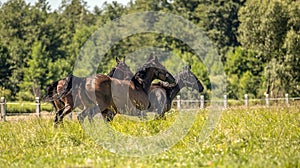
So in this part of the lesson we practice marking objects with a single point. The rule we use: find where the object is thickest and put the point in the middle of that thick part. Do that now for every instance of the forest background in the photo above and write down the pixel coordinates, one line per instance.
(258, 41)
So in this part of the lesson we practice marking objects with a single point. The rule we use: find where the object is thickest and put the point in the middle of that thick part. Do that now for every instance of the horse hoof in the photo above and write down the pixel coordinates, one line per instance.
(160, 117)
(55, 125)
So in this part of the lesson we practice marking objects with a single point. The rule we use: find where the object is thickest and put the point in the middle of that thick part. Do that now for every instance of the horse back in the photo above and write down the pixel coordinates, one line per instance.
(97, 90)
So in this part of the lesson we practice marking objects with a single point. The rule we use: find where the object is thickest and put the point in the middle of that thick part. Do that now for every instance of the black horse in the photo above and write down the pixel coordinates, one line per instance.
(162, 95)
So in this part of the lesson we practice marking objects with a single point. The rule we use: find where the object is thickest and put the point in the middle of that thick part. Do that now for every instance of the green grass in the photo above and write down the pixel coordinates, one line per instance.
(243, 138)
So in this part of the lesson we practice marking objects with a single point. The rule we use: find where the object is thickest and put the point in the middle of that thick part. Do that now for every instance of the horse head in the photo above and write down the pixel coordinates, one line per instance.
(50, 92)
(151, 70)
(121, 71)
(187, 78)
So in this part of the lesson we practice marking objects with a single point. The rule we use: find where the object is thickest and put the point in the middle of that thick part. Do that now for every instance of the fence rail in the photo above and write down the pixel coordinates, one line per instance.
(180, 103)
(246, 102)
(3, 107)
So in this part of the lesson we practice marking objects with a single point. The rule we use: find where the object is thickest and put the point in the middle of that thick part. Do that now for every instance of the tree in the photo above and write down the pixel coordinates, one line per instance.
(220, 21)
(244, 70)
(5, 67)
(264, 28)
(35, 73)
(14, 14)
(291, 65)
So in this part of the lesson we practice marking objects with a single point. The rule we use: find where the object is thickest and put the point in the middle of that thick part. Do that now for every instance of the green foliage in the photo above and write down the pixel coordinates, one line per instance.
(268, 27)
(244, 70)
(5, 66)
(258, 42)
(243, 138)
(25, 96)
(5, 93)
(35, 73)
(221, 23)
(291, 63)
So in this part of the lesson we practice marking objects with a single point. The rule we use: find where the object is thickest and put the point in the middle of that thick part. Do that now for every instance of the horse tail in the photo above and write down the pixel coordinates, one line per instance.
(50, 91)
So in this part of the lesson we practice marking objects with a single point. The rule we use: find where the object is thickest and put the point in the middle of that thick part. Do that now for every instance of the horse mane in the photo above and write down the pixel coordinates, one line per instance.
(137, 79)
(111, 73)
(67, 87)
(180, 75)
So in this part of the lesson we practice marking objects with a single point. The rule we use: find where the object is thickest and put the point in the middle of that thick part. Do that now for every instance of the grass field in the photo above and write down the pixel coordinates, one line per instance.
(258, 137)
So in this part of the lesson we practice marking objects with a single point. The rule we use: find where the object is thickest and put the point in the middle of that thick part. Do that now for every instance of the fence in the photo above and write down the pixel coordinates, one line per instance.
(185, 104)
(3, 107)
(37, 104)
(246, 102)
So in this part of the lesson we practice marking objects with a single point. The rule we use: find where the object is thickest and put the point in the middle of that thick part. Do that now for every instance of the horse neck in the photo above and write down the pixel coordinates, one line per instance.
(77, 81)
(143, 83)
(111, 73)
(176, 88)
(51, 92)
(147, 83)
(148, 80)
(71, 83)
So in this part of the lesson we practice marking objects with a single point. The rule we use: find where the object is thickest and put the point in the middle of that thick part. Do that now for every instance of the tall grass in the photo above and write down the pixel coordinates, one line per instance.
(243, 138)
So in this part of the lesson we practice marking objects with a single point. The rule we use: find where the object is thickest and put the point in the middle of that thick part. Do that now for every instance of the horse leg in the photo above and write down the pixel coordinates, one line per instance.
(160, 116)
(54, 105)
(82, 115)
(94, 110)
(57, 119)
(161, 103)
(67, 109)
(87, 112)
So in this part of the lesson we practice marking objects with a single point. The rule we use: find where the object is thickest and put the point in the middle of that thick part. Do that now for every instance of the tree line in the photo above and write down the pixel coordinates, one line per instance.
(258, 41)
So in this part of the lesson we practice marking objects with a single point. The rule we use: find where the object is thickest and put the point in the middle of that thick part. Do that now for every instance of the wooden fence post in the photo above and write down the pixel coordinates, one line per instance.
(178, 102)
(246, 100)
(225, 101)
(267, 100)
(38, 107)
(202, 102)
(3, 108)
(287, 99)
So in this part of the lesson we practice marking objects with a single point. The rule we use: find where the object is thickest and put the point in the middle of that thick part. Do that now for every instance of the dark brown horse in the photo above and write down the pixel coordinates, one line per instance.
(161, 95)
(110, 96)
(62, 104)
(65, 104)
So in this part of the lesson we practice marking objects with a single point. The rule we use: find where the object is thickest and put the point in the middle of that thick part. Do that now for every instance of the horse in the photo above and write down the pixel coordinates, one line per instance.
(109, 96)
(67, 103)
(62, 104)
(161, 95)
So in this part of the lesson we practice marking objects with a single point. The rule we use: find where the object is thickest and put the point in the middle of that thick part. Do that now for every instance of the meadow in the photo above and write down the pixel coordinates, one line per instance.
(254, 137)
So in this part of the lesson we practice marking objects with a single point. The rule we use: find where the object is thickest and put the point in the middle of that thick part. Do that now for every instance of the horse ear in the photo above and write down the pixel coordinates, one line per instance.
(155, 59)
(124, 59)
(150, 57)
(117, 60)
(189, 67)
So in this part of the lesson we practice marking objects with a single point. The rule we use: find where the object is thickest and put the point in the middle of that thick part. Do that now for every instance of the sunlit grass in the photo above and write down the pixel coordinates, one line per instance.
(258, 137)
